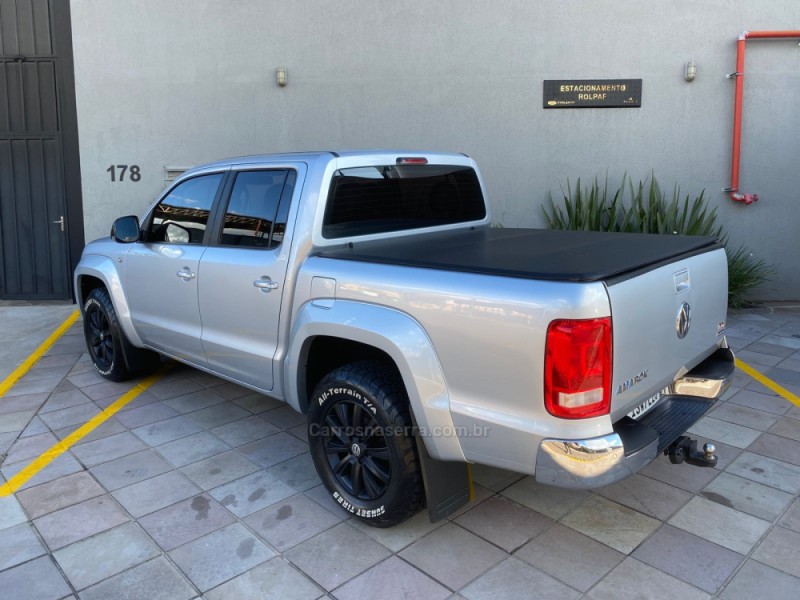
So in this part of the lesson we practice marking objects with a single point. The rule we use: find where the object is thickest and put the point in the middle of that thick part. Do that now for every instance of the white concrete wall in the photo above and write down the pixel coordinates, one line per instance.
(188, 81)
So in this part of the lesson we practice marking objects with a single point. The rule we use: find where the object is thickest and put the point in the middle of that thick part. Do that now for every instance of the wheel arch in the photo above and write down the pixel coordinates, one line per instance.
(350, 331)
(322, 354)
(99, 271)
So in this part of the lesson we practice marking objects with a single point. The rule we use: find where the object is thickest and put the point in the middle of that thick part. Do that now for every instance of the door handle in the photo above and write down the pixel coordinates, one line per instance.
(265, 284)
(185, 274)
(60, 222)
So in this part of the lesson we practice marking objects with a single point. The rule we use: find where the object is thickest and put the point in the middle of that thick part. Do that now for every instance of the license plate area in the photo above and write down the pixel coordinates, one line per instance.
(648, 404)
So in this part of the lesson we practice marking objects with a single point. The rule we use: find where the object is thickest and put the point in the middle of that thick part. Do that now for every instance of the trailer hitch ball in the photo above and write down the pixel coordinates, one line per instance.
(684, 449)
(708, 452)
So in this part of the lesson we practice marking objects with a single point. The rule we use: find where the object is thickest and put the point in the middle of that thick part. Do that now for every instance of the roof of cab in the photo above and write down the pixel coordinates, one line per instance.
(311, 156)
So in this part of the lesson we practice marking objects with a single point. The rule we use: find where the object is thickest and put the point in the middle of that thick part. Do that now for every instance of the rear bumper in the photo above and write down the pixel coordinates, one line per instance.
(604, 460)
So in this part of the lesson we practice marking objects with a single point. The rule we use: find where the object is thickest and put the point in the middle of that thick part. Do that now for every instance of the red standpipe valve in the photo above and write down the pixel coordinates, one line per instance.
(746, 198)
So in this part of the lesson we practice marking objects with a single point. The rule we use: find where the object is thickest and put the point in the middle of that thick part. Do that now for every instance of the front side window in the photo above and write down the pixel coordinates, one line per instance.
(367, 200)
(182, 217)
(253, 216)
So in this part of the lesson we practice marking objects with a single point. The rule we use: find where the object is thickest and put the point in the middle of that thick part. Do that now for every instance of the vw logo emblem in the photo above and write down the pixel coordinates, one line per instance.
(684, 320)
(355, 450)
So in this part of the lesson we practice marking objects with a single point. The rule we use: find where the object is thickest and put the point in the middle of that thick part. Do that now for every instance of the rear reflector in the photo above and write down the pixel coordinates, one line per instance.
(577, 368)
(408, 160)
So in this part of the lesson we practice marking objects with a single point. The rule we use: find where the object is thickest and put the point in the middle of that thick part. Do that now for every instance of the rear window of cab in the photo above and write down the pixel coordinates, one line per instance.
(386, 198)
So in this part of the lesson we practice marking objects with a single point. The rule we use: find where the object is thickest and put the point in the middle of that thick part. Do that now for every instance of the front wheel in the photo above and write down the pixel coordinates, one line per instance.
(362, 443)
(106, 342)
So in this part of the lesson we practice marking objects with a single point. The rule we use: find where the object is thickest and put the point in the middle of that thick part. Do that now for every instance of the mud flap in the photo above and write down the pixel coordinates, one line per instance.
(448, 485)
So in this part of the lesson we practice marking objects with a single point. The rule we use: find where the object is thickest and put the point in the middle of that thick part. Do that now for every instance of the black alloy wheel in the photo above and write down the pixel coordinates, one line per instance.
(99, 338)
(357, 451)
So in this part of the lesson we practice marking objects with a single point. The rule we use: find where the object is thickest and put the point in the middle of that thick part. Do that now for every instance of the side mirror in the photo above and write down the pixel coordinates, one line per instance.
(126, 229)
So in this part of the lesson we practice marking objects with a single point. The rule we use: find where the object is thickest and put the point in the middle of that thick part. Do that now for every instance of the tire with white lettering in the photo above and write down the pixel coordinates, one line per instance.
(112, 354)
(362, 443)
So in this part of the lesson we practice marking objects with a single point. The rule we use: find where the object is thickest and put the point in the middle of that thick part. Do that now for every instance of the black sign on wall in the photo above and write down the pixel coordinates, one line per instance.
(592, 93)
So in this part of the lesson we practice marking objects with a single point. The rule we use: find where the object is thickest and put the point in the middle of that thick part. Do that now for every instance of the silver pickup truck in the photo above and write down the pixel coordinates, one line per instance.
(368, 291)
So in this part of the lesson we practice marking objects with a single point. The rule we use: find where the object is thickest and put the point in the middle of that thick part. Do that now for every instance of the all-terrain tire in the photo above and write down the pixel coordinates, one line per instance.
(112, 354)
(362, 443)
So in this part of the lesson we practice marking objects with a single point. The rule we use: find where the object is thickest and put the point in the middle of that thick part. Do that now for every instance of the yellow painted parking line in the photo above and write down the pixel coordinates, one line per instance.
(17, 373)
(767, 382)
(56, 450)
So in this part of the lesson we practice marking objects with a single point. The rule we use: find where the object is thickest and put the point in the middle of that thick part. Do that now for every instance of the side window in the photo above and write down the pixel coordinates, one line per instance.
(253, 215)
(182, 216)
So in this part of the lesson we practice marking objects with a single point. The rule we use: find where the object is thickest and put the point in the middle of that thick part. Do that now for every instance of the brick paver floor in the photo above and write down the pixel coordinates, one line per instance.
(202, 488)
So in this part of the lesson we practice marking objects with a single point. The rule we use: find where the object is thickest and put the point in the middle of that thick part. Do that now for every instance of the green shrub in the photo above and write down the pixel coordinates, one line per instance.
(745, 272)
(647, 210)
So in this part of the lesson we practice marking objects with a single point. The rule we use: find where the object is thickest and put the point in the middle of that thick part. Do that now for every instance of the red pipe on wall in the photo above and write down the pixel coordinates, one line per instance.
(737, 108)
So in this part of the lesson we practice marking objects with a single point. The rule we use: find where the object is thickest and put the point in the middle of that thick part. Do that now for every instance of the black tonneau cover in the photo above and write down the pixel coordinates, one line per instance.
(529, 253)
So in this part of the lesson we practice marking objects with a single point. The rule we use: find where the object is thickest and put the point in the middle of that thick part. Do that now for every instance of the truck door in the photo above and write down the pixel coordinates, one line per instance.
(244, 274)
(161, 272)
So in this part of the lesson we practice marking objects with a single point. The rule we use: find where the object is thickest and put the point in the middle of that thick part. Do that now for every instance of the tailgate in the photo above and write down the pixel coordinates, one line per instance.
(652, 343)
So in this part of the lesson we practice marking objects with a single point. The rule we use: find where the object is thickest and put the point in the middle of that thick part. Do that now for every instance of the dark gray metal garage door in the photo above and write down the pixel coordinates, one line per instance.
(34, 253)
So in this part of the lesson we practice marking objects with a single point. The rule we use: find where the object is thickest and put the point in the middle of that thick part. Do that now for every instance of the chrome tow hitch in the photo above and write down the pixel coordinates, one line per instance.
(684, 449)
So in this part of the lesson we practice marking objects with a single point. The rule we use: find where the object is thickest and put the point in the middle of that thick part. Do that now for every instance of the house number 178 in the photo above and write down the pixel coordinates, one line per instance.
(118, 172)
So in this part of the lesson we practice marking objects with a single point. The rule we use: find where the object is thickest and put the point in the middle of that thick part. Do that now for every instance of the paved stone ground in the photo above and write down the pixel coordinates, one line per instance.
(25, 327)
(201, 488)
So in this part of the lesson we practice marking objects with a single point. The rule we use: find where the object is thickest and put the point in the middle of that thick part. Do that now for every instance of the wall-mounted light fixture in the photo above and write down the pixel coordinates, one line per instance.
(691, 71)
(281, 77)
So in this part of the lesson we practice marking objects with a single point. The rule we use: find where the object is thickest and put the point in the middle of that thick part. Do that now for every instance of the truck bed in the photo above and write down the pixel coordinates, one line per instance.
(580, 256)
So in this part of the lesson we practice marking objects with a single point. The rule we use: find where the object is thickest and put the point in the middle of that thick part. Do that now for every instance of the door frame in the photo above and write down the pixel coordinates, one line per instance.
(70, 145)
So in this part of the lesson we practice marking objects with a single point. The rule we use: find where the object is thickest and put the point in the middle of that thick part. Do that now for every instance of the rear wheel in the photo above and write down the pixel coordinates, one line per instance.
(362, 443)
(106, 342)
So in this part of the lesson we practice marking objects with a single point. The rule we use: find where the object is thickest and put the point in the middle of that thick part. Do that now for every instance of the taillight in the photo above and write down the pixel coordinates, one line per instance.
(577, 368)
(412, 160)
